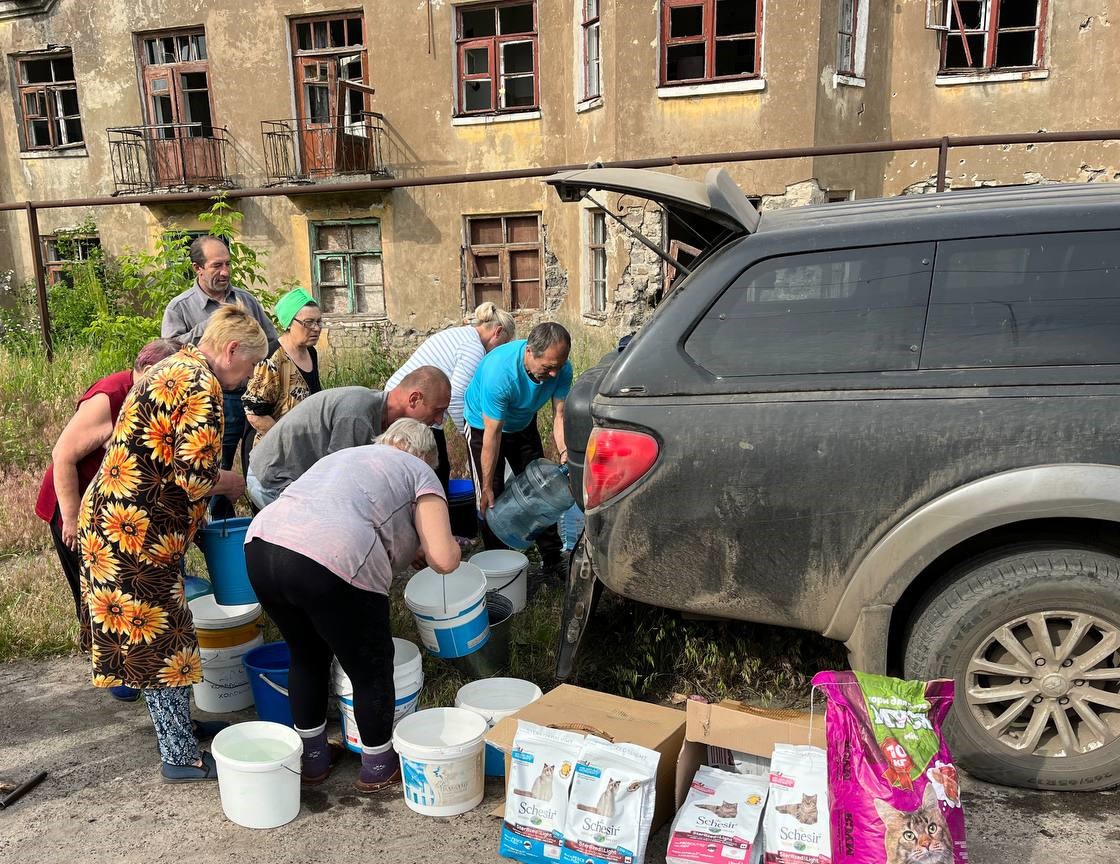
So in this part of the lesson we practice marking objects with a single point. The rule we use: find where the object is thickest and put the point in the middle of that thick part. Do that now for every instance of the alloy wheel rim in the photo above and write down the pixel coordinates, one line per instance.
(1048, 683)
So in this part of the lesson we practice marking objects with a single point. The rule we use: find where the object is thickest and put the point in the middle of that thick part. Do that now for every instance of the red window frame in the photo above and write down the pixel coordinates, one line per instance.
(991, 33)
(589, 22)
(709, 38)
(493, 45)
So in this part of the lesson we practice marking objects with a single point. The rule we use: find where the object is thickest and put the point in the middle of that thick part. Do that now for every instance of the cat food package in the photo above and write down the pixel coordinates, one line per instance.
(795, 828)
(719, 819)
(541, 767)
(891, 778)
(611, 804)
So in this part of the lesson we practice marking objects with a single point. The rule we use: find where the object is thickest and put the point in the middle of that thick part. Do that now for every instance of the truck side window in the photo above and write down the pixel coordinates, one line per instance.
(846, 310)
(1034, 300)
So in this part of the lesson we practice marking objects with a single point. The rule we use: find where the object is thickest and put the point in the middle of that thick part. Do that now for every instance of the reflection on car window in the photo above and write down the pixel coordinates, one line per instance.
(1039, 300)
(850, 310)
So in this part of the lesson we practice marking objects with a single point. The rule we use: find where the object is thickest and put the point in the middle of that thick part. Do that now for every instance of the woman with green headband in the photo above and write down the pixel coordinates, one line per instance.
(291, 374)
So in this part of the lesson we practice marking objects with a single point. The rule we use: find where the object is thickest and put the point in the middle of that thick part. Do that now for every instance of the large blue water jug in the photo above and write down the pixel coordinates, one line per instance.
(531, 502)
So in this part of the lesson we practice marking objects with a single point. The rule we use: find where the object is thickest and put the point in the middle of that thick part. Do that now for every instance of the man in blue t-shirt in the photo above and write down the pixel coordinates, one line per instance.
(511, 384)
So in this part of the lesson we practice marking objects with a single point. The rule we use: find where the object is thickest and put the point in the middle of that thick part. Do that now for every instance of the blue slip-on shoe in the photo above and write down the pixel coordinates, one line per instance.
(190, 773)
(124, 694)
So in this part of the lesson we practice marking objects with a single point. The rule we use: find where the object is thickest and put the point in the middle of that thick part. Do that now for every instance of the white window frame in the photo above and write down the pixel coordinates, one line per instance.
(588, 214)
(856, 77)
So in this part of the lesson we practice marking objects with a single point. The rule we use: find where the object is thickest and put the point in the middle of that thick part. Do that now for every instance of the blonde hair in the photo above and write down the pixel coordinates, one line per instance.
(488, 315)
(411, 436)
(233, 323)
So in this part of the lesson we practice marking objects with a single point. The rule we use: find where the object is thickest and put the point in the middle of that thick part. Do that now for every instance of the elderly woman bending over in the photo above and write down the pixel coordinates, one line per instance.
(321, 559)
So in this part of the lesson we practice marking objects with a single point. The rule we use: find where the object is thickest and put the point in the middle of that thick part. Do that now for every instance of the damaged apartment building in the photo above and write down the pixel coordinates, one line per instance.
(106, 98)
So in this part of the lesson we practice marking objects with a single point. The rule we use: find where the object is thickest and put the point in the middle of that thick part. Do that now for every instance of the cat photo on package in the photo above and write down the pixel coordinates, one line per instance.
(892, 783)
(795, 826)
(719, 820)
(541, 768)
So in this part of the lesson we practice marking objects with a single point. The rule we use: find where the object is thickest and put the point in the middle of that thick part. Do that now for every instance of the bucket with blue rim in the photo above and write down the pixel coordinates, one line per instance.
(223, 544)
(267, 670)
(449, 609)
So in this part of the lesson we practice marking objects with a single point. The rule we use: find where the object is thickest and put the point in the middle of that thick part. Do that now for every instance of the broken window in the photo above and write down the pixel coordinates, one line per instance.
(710, 40)
(992, 35)
(48, 102)
(592, 66)
(60, 252)
(497, 51)
(503, 260)
(597, 263)
(334, 119)
(347, 269)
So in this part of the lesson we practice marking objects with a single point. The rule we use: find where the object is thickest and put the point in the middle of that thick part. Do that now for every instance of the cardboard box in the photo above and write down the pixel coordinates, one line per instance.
(652, 726)
(740, 727)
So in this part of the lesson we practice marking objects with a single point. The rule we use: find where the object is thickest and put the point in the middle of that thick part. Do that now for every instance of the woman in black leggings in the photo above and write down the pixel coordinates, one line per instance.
(321, 559)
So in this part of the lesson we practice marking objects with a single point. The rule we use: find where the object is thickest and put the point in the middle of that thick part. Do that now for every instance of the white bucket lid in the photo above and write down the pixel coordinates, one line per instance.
(499, 562)
(462, 588)
(496, 698)
(209, 615)
(406, 661)
(439, 732)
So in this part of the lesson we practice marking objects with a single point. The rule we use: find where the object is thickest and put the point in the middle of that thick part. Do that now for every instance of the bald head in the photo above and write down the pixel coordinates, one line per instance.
(423, 395)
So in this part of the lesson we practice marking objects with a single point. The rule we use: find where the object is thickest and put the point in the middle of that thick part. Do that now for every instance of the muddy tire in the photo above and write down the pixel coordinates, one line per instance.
(1031, 636)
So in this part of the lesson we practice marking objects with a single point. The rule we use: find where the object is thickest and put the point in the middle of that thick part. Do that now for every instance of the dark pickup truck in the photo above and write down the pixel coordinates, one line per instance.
(892, 422)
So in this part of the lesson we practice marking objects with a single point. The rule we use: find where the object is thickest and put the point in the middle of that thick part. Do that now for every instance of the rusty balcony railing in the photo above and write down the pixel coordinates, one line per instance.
(302, 150)
(169, 157)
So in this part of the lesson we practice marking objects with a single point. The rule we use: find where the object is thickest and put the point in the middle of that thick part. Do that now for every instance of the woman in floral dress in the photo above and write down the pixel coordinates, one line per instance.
(140, 514)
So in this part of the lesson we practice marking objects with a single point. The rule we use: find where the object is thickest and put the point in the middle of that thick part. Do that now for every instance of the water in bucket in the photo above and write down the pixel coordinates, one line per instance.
(532, 501)
(223, 544)
(258, 773)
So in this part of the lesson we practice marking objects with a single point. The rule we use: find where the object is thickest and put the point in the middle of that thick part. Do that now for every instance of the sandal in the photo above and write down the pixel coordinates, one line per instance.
(204, 730)
(369, 788)
(337, 751)
(190, 773)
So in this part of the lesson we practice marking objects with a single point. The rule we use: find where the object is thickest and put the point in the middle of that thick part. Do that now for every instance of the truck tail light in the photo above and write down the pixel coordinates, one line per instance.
(616, 459)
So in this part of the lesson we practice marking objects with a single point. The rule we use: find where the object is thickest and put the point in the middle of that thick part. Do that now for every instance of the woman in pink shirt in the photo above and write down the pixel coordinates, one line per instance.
(321, 558)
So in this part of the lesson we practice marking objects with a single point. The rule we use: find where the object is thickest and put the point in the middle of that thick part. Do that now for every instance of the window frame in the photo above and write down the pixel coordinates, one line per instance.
(592, 308)
(55, 267)
(49, 92)
(709, 38)
(990, 31)
(502, 250)
(318, 255)
(848, 66)
(587, 25)
(494, 45)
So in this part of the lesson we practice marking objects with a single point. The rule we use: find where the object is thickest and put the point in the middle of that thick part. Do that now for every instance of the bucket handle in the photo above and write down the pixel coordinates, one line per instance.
(504, 587)
(283, 691)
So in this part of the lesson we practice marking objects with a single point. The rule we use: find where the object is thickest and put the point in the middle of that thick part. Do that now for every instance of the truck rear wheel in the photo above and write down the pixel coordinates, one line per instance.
(1031, 637)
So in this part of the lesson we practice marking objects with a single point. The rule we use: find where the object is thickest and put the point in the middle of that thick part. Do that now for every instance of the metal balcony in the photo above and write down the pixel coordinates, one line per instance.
(169, 157)
(304, 151)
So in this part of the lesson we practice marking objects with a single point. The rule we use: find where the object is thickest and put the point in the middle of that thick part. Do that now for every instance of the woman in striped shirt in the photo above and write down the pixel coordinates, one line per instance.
(457, 351)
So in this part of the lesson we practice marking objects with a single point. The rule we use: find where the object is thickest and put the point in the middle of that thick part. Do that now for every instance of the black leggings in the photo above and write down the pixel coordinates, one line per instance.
(320, 616)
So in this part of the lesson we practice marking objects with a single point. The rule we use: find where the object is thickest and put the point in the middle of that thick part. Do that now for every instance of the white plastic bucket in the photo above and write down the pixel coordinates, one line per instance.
(408, 680)
(494, 699)
(258, 773)
(506, 573)
(225, 635)
(441, 760)
(450, 610)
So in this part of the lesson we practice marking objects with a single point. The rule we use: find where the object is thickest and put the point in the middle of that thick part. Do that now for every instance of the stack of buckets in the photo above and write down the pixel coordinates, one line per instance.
(258, 762)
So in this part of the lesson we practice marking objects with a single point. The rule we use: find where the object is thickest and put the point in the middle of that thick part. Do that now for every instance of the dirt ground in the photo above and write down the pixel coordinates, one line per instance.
(104, 801)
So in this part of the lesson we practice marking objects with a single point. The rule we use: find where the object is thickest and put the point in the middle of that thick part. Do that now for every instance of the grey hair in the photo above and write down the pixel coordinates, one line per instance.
(411, 436)
(488, 315)
(545, 335)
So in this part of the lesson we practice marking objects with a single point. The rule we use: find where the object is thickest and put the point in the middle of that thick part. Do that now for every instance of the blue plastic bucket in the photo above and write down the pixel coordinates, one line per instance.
(223, 544)
(460, 487)
(267, 670)
(450, 610)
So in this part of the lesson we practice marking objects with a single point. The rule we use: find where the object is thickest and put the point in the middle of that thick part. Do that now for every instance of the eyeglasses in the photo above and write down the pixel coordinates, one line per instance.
(311, 324)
